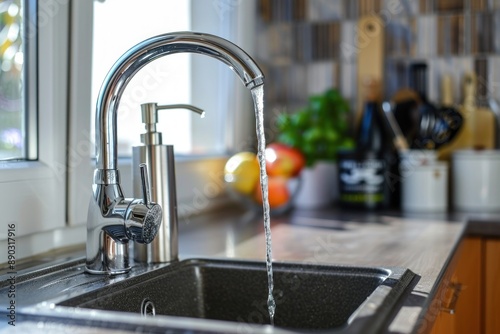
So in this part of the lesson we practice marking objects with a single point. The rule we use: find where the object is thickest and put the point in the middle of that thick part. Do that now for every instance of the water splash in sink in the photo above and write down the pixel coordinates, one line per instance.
(258, 99)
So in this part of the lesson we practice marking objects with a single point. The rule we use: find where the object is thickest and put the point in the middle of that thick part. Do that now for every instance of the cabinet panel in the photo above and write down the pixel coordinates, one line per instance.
(492, 286)
(461, 302)
(468, 273)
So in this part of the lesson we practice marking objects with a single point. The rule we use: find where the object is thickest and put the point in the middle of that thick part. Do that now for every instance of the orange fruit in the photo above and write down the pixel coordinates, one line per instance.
(277, 190)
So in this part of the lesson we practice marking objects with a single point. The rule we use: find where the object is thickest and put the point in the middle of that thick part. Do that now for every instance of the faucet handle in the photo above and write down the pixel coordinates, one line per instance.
(146, 189)
(143, 216)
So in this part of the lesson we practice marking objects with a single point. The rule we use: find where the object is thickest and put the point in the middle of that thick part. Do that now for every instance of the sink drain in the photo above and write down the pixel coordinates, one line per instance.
(148, 308)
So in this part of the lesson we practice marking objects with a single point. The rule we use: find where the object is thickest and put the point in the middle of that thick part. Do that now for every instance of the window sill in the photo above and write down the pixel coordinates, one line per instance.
(12, 171)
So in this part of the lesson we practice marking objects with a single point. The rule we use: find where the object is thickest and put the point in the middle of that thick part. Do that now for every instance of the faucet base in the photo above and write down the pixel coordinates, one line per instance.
(114, 272)
(113, 258)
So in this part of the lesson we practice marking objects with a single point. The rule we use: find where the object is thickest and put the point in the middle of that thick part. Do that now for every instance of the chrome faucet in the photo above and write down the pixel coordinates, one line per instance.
(112, 219)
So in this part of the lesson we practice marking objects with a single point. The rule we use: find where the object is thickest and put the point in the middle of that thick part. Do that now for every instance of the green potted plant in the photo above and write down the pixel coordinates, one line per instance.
(318, 130)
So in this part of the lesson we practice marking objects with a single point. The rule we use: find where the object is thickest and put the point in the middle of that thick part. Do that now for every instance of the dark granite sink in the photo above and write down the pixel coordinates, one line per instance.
(308, 297)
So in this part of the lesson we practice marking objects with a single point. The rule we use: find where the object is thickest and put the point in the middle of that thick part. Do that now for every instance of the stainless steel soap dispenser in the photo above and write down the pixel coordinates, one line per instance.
(160, 159)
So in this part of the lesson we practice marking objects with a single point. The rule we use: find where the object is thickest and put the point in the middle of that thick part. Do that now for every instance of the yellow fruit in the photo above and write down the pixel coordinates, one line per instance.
(242, 172)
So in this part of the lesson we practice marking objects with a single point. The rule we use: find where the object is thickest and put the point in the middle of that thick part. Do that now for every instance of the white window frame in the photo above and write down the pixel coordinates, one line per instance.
(33, 193)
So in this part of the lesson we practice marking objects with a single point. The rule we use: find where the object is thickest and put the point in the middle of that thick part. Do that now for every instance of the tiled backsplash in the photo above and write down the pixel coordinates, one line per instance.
(307, 46)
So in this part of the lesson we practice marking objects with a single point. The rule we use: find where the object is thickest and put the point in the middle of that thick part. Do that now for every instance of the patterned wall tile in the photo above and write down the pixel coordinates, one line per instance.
(307, 46)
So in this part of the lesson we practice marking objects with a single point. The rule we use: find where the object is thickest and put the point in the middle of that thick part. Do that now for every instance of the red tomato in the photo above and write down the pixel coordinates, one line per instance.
(282, 160)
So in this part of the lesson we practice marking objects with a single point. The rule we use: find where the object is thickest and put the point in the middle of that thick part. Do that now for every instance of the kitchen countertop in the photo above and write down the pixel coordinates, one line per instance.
(424, 244)
(420, 245)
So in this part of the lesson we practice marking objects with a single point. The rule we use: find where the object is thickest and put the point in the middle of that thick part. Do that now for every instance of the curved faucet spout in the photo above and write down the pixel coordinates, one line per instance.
(143, 53)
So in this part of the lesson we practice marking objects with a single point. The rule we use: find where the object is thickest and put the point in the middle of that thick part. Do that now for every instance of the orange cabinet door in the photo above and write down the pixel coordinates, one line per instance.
(461, 305)
(492, 286)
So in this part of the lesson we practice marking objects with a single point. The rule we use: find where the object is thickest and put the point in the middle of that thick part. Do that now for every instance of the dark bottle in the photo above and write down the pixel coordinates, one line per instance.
(363, 171)
(371, 134)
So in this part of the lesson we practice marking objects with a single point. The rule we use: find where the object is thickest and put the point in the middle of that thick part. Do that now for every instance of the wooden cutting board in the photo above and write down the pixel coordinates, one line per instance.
(370, 46)
(484, 129)
(465, 137)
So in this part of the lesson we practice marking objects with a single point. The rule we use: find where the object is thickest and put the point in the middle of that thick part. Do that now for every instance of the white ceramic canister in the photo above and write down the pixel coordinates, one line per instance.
(318, 186)
(425, 188)
(476, 180)
(411, 158)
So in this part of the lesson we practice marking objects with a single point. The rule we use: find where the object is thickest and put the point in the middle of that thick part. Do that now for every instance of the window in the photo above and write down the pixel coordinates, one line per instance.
(12, 115)
(119, 25)
(180, 78)
(18, 95)
(45, 192)
(33, 187)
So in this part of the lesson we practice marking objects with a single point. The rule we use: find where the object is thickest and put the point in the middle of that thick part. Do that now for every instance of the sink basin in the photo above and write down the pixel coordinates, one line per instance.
(308, 297)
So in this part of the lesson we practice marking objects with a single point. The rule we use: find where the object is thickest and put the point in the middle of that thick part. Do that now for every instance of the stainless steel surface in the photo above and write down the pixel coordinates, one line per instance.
(146, 191)
(149, 112)
(182, 106)
(107, 237)
(162, 175)
(164, 248)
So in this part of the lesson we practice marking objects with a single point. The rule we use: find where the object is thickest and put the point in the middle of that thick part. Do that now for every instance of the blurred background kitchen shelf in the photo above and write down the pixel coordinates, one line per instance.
(308, 46)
